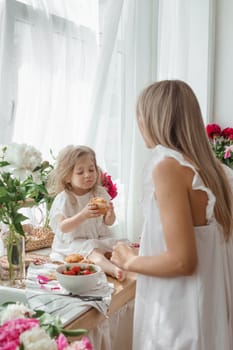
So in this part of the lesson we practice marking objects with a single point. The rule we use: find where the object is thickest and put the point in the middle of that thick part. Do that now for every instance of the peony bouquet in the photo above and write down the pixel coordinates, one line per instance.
(24, 329)
(221, 141)
(106, 181)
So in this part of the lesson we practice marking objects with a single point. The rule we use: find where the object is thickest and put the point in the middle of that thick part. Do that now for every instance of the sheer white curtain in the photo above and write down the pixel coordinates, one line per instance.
(7, 70)
(56, 45)
(127, 63)
(73, 88)
(186, 46)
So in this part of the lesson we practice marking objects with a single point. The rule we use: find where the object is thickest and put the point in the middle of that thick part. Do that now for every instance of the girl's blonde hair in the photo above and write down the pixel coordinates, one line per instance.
(172, 118)
(66, 161)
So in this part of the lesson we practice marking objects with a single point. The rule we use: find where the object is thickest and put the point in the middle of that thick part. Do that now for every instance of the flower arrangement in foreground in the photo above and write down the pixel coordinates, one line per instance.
(24, 329)
(221, 141)
(106, 181)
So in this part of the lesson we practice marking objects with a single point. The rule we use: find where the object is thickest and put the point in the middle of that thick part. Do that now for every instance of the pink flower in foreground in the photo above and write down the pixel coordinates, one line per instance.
(62, 342)
(86, 342)
(11, 345)
(83, 344)
(10, 331)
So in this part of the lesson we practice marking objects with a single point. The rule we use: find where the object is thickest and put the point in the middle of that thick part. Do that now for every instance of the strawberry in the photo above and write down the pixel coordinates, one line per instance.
(76, 269)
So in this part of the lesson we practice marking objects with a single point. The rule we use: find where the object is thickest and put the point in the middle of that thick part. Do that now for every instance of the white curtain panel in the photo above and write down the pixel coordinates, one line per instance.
(7, 71)
(127, 63)
(56, 45)
(186, 46)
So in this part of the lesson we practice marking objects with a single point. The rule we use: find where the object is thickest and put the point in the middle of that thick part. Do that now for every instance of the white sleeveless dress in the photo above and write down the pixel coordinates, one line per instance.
(190, 312)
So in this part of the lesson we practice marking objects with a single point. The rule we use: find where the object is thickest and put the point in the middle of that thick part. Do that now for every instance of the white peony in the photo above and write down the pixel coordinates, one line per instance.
(36, 338)
(23, 156)
(23, 159)
(13, 311)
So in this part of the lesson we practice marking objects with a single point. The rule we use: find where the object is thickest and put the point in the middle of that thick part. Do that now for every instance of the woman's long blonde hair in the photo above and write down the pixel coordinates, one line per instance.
(65, 163)
(172, 118)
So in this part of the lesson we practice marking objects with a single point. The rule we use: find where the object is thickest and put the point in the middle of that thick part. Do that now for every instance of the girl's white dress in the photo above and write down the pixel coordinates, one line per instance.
(92, 233)
(184, 313)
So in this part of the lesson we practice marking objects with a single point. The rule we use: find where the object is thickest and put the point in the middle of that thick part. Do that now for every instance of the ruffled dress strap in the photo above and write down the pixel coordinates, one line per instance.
(161, 152)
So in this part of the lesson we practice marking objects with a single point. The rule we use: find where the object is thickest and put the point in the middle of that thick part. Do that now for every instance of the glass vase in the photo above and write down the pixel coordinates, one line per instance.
(15, 253)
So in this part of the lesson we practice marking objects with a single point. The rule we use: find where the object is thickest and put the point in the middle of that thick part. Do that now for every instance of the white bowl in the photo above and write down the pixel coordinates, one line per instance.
(78, 283)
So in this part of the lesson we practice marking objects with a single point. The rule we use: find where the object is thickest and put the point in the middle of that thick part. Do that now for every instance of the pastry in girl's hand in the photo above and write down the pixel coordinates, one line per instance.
(74, 258)
(101, 203)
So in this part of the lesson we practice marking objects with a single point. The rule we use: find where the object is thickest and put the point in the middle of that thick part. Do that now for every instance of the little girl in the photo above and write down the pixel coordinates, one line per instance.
(78, 224)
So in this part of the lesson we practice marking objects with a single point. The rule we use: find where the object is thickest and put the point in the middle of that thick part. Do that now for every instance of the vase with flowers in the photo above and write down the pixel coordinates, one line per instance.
(20, 186)
(12, 197)
(221, 141)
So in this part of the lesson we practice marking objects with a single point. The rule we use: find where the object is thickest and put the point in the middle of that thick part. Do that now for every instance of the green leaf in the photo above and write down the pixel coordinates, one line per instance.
(38, 313)
(19, 229)
(74, 332)
(4, 163)
(19, 218)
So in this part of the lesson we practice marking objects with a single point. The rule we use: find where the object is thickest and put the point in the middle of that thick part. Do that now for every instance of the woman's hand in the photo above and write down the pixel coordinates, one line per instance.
(123, 256)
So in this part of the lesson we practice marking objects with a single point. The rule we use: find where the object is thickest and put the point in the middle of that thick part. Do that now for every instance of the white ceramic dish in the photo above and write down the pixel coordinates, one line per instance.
(10, 294)
(78, 284)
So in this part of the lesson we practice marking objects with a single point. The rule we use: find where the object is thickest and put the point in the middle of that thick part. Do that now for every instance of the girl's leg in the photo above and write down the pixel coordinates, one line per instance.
(106, 265)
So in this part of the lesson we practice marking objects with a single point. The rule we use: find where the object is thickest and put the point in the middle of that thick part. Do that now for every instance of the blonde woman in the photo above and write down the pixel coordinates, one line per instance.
(80, 226)
(184, 295)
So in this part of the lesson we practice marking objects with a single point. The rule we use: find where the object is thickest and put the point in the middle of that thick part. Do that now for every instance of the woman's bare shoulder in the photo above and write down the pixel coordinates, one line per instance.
(171, 173)
(167, 167)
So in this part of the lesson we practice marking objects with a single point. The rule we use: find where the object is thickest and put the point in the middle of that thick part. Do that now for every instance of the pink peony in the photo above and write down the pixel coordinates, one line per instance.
(10, 331)
(10, 345)
(86, 342)
(83, 344)
(109, 185)
(228, 151)
(62, 342)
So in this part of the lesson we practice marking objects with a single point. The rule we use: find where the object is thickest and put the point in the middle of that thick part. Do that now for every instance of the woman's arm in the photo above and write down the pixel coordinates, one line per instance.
(180, 258)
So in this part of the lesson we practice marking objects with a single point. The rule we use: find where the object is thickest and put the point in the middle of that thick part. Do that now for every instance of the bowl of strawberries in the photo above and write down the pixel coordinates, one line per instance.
(78, 277)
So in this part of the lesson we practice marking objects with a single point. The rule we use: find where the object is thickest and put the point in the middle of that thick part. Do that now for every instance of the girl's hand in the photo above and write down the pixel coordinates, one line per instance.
(109, 217)
(110, 210)
(90, 211)
(123, 256)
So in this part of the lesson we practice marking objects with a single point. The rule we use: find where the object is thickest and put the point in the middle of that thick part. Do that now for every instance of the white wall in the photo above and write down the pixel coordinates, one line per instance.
(223, 73)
